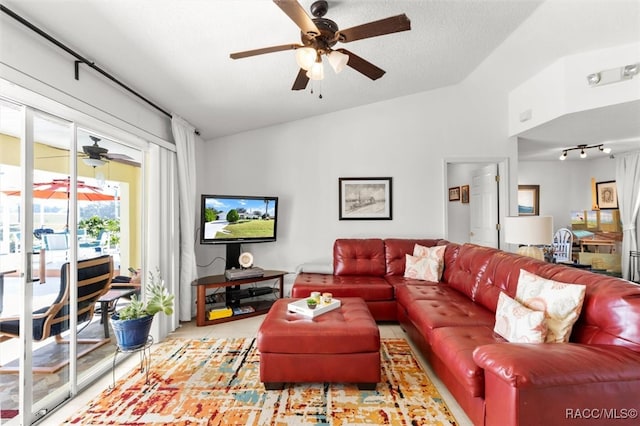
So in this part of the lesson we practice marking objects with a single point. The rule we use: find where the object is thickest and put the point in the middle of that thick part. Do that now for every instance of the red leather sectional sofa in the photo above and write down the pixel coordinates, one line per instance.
(595, 378)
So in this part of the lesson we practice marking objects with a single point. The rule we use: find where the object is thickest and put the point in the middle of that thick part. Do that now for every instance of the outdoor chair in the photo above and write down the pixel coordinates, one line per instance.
(563, 245)
(94, 280)
(56, 243)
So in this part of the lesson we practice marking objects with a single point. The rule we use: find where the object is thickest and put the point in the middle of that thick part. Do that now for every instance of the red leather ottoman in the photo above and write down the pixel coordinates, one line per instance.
(340, 346)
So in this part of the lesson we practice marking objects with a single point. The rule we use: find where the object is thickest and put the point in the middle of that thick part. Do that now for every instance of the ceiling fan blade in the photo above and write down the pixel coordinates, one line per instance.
(301, 80)
(248, 53)
(362, 65)
(294, 10)
(390, 25)
(122, 158)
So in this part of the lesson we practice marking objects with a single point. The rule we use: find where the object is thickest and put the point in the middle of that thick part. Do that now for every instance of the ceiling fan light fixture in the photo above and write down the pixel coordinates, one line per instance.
(317, 71)
(563, 156)
(306, 57)
(94, 162)
(337, 60)
(583, 154)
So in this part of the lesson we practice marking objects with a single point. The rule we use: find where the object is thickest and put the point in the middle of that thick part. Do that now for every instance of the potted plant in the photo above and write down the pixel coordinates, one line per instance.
(132, 323)
(312, 303)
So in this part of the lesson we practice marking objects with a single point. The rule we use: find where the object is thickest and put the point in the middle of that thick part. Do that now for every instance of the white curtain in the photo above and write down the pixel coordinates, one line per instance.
(162, 231)
(185, 140)
(628, 186)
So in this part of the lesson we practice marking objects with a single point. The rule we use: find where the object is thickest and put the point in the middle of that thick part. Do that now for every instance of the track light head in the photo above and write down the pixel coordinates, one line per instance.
(583, 150)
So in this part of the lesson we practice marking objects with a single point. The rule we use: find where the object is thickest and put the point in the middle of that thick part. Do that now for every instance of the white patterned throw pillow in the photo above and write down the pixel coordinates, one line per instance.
(425, 257)
(560, 302)
(517, 323)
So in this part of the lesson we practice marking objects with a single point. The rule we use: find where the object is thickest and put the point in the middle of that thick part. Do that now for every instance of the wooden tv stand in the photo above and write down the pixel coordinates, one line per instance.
(220, 281)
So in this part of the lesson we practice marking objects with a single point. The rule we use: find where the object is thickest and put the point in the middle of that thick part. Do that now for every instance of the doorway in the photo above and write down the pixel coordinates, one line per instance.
(478, 220)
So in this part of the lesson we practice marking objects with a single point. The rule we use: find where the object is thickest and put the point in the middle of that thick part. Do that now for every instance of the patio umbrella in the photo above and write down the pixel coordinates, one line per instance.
(58, 189)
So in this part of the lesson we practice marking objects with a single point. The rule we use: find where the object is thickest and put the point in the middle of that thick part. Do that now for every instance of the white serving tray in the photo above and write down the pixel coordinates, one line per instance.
(300, 307)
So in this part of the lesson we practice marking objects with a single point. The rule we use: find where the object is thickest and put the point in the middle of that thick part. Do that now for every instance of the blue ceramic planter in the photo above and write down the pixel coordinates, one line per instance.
(131, 334)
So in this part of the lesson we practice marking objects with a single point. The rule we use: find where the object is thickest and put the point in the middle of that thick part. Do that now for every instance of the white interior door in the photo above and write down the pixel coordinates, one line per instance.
(483, 205)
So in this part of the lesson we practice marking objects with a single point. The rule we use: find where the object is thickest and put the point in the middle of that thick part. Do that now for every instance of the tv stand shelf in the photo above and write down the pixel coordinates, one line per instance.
(220, 281)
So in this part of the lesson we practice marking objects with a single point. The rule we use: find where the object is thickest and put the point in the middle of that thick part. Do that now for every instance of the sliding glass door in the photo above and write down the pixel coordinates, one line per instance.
(31, 228)
(67, 193)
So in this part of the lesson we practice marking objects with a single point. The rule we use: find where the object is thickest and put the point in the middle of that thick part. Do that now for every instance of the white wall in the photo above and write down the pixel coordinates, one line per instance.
(32, 62)
(561, 88)
(565, 185)
(405, 138)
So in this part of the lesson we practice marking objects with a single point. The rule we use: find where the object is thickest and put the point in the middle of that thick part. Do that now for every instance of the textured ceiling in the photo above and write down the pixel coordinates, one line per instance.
(176, 53)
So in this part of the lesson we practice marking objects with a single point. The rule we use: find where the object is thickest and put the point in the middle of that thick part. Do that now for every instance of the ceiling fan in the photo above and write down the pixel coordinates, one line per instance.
(97, 156)
(319, 35)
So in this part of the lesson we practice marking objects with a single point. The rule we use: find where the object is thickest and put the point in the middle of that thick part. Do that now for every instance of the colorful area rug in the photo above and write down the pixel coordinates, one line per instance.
(217, 382)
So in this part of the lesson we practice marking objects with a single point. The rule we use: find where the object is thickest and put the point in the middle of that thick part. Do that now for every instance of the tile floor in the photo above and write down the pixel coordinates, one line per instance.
(241, 328)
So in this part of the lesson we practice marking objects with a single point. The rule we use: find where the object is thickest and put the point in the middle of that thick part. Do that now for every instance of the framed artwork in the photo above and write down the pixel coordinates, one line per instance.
(607, 195)
(464, 193)
(528, 200)
(365, 198)
(454, 193)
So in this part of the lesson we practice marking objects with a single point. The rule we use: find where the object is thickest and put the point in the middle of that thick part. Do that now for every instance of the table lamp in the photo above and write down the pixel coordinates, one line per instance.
(529, 231)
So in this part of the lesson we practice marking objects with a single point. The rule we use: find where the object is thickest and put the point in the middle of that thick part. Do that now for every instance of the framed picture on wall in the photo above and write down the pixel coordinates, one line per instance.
(454, 193)
(528, 200)
(365, 198)
(607, 195)
(464, 193)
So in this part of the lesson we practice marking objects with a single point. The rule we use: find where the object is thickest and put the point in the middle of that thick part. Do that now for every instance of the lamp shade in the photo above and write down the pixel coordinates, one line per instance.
(306, 57)
(337, 60)
(528, 230)
(317, 71)
(94, 162)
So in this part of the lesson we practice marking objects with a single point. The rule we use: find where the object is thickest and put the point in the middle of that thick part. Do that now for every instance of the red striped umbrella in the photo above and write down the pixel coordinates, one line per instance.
(58, 189)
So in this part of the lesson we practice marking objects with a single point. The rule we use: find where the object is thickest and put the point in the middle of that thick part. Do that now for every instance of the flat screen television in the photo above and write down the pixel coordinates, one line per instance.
(235, 219)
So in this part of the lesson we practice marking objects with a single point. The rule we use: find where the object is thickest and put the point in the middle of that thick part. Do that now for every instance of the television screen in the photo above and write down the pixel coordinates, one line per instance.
(238, 219)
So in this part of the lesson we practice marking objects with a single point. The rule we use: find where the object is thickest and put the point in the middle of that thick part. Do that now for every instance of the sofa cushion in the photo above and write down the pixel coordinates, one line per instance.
(501, 275)
(366, 287)
(455, 346)
(465, 273)
(428, 315)
(408, 294)
(523, 365)
(399, 281)
(396, 248)
(560, 302)
(610, 305)
(359, 257)
(517, 323)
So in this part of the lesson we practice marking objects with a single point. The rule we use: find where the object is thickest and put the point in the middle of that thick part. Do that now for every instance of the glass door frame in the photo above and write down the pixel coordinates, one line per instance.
(29, 409)
(34, 104)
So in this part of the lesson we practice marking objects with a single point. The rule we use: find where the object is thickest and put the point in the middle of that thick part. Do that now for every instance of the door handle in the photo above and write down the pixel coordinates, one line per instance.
(29, 271)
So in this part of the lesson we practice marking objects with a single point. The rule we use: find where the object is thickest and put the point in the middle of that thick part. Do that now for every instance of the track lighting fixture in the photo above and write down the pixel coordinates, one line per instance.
(613, 75)
(583, 150)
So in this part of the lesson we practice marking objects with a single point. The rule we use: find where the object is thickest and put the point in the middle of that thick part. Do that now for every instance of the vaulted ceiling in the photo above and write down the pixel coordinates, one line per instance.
(177, 52)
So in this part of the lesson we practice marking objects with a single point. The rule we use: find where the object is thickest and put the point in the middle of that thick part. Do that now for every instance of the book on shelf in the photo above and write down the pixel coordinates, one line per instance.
(214, 314)
(239, 310)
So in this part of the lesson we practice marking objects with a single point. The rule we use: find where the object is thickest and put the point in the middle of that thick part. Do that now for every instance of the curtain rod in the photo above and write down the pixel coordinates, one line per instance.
(81, 59)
